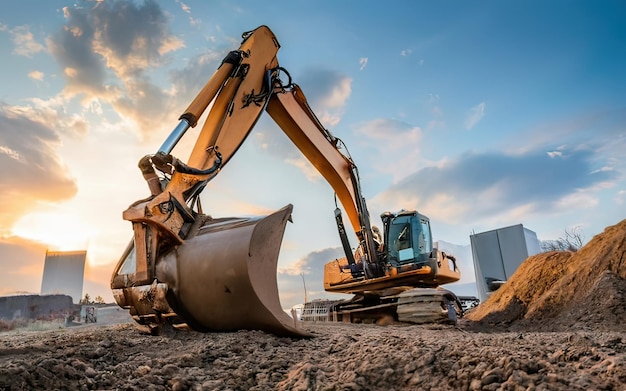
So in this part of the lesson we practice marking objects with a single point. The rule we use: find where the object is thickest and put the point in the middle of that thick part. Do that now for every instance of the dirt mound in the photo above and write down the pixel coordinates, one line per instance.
(556, 291)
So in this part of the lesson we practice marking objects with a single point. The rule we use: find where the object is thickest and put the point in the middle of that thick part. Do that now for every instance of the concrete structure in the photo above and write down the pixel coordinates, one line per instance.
(35, 307)
(498, 253)
(63, 273)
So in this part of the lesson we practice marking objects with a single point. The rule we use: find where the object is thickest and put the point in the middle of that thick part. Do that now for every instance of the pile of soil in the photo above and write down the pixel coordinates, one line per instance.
(558, 291)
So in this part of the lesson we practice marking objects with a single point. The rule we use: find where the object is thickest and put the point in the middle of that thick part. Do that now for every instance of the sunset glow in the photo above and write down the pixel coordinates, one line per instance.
(61, 232)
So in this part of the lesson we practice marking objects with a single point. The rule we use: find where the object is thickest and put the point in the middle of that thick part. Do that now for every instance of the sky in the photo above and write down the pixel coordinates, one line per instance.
(479, 115)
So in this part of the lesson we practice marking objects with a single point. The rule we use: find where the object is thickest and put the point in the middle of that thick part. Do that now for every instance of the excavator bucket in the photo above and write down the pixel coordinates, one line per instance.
(221, 278)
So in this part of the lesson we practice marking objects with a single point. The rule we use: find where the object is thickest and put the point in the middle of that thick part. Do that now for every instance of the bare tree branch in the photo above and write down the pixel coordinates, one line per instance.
(573, 241)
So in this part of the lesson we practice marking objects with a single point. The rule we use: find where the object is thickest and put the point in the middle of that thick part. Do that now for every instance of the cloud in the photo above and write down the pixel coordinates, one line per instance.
(306, 167)
(32, 169)
(363, 62)
(475, 115)
(10, 153)
(406, 52)
(25, 44)
(187, 82)
(604, 168)
(51, 114)
(600, 130)
(395, 144)
(36, 75)
(577, 200)
(483, 185)
(72, 47)
(433, 103)
(107, 51)
(327, 93)
(184, 6)
(131, 37)
(194, 22)
(390, 133)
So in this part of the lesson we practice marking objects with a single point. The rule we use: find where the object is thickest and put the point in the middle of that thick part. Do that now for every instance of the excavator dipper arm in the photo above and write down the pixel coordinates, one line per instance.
(289, 108)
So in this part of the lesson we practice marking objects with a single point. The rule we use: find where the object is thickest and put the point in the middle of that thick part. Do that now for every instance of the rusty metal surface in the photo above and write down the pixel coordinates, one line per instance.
(224, 278)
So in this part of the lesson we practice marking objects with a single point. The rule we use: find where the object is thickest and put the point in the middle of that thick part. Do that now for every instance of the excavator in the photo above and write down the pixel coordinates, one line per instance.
(187, 269)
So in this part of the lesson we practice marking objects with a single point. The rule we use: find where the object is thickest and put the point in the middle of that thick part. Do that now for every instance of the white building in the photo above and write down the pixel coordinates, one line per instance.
(63, 273)
(498, 253)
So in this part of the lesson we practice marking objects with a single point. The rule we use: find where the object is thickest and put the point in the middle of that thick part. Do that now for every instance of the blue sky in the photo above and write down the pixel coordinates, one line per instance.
(479, 115)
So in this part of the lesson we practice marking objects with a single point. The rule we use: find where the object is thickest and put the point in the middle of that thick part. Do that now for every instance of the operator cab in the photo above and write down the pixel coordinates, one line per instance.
(408, 238)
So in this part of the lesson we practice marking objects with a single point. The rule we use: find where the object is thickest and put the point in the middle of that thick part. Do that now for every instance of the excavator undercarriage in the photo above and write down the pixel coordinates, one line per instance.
(413, 305)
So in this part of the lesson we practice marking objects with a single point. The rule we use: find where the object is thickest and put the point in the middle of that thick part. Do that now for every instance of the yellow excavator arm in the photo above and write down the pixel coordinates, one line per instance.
(238, 90)
(290, 110)
(191, 270)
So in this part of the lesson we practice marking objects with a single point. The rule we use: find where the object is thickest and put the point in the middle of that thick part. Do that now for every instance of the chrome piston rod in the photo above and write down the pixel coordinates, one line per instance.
(175, 136)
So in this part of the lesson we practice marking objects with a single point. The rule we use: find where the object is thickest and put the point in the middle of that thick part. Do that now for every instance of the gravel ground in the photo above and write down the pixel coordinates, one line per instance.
(339, 357)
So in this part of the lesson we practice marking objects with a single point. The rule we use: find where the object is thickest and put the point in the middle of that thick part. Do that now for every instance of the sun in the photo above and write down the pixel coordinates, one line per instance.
(61, 232)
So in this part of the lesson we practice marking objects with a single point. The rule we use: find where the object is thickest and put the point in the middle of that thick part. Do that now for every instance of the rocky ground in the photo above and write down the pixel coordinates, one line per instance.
(339, 357)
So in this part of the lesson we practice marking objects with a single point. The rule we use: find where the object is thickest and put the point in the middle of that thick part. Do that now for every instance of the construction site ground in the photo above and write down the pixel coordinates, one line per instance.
(340, 357)
(559, 323)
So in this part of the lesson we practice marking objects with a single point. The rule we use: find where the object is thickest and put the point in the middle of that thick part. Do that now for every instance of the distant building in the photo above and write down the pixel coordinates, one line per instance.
(498, 253)
(63, 273)
(35, 307)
